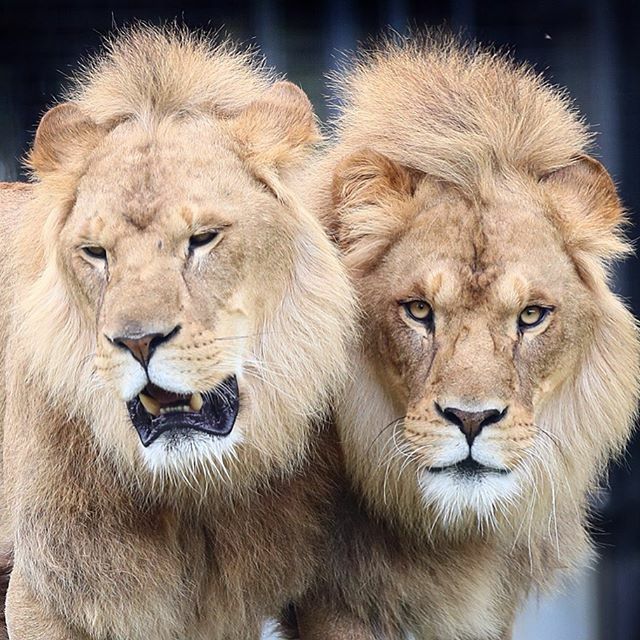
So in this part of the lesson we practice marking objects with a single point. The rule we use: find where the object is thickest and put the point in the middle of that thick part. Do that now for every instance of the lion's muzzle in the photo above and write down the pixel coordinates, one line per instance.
(156, 411)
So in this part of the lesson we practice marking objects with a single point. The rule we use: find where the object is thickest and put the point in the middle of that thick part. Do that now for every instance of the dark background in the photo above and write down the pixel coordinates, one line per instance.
(590, 46)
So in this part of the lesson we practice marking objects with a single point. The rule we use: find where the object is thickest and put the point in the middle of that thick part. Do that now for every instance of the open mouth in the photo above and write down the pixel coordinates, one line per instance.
(156, 411)
(469, 467)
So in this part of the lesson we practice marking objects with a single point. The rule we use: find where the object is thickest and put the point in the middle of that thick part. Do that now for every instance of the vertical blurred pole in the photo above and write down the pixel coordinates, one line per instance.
(270, 33)
(604, 94)
(463, 16)
(342, 32)
(342, 36)
(397, 15)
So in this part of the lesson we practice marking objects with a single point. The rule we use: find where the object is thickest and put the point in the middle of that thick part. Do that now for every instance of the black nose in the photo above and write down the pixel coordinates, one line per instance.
(142, 347)
(471, 423)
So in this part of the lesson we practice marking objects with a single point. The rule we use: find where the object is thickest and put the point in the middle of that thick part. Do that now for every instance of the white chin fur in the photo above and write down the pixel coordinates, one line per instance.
(191, 454)
(455, 496)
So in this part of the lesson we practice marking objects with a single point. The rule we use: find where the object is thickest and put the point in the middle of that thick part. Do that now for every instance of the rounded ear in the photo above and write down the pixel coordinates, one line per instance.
(368, 177)
(588, 207)
(277, 130)
(64, 138)
(370, 195)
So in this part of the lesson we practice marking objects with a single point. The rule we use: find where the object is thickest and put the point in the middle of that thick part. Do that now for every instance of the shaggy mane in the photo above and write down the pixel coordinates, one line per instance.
(146, 76)
(147, 72)
(456, 111)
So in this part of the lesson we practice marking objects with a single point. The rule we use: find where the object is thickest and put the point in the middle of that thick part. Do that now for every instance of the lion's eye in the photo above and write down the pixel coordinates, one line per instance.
(532, 317)
(96, 252)
(418, 310)
(202, 239)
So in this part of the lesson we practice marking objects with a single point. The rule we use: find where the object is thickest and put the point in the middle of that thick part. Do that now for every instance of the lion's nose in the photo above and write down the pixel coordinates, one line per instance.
(471, 423)
(142, 347)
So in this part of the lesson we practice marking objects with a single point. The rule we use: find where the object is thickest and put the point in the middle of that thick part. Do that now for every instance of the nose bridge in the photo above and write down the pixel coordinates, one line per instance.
(142, 298)
(471, 367)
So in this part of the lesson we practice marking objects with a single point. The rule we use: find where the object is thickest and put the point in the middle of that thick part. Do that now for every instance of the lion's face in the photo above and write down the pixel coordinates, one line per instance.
(172, 246)
(475, 316)
(192, 279)
(476, 323)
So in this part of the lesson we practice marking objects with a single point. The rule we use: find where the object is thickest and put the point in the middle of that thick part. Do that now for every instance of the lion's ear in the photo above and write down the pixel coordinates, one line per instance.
(588, 207)
(64, 138)
(277, 130)
(371, 195)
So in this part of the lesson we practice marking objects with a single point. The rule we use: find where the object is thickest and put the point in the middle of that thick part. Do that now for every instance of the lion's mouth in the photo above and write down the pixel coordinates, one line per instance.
(469, 467)
(156, 411)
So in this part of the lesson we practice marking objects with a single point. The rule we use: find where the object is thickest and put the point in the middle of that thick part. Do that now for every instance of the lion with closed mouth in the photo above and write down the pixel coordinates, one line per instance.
(176, 323)
(498, 372)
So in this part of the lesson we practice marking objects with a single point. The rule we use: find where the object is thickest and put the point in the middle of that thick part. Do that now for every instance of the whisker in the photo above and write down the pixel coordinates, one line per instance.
(243, 337)
(86, 358)
(262, 378)
(556, 442)
(393, 423)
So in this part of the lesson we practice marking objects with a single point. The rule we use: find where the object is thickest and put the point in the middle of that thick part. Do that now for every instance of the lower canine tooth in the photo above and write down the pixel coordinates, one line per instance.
(196, 402)
(150, 404)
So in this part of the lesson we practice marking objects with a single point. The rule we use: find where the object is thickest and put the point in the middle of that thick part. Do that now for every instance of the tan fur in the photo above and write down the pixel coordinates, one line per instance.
(461, 179)
(164, 135)
(13, 196)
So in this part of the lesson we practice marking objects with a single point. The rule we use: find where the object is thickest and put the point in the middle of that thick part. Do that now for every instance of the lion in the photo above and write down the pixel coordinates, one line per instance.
(177, 322)
(497, 372)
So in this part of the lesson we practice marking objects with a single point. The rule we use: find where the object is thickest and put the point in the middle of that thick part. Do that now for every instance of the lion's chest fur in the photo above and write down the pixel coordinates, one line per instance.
(405, 584)
(160, 575)
(121, 564)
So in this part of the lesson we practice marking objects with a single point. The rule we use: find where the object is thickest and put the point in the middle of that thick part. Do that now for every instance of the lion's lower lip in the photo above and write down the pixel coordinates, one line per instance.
(469, 467)
(216, 416)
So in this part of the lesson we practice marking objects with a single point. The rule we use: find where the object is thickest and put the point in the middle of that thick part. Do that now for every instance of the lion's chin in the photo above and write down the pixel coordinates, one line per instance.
(458, 493)
(155, 412)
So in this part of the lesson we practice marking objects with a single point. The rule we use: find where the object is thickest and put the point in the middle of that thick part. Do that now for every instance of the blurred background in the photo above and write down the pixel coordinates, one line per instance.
(590, 46)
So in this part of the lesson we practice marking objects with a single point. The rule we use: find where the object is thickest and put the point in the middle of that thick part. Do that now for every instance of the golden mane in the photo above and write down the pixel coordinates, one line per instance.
(163, 72)
(468, 117)
(151, 74)
(455, 111)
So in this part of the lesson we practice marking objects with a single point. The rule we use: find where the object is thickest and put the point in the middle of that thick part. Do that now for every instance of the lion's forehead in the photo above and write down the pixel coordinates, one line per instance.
(469, 259)
(505, 287)
(152, 175)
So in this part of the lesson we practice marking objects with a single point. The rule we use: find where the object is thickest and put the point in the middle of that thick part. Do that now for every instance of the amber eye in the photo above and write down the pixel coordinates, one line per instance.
(532, 317)
(418, 310)
(95, 252)
(202, 239)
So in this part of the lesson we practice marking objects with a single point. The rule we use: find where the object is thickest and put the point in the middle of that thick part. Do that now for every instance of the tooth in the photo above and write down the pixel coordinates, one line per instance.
(196, 402)
(150, 404)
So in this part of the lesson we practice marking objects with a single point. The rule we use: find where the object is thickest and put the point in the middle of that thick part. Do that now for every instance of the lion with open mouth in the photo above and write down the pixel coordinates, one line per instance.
(176, 322)
(497, 372)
